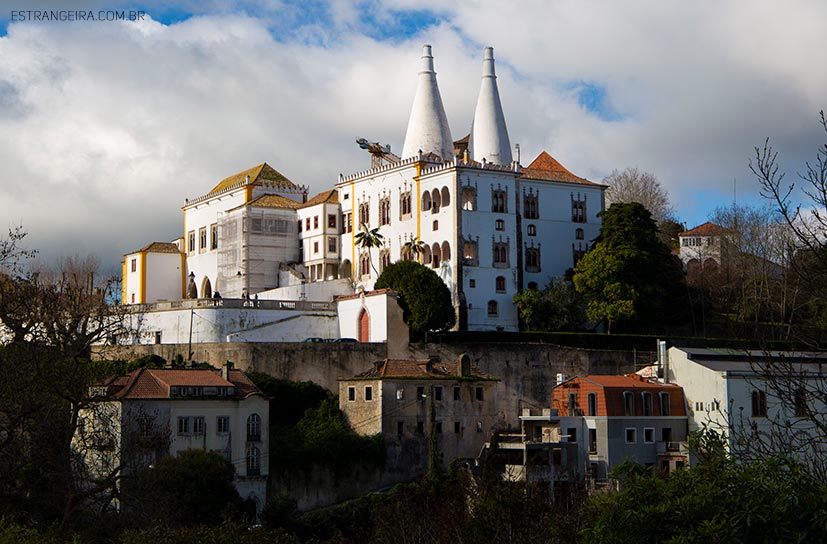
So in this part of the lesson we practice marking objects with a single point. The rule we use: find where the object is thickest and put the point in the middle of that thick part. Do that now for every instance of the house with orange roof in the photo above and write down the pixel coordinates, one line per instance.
(617, 418)
(137, 418)
(703, 246)
(406, 401)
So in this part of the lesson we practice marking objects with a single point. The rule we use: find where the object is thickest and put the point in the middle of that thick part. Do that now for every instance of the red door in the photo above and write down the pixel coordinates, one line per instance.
(364, 327)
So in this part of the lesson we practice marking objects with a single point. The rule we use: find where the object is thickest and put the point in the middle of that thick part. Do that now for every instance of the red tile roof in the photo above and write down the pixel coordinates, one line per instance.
(155, 383)
(419, 368)
(609, 395)
(707, 229)
(546, 167)
(327, 197)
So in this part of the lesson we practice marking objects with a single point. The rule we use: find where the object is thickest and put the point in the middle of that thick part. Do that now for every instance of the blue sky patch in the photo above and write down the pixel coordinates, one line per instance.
(594, 99)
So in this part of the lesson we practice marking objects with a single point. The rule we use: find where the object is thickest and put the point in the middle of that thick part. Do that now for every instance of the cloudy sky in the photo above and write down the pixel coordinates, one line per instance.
(106, 127)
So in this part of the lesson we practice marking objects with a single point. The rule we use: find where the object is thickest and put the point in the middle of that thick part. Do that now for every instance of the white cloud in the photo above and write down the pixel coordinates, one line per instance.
(105, 128)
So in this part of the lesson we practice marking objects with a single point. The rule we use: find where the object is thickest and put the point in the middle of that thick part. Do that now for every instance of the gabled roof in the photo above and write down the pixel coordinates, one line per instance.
(263, 173)
(546, 167)
(327, 197)
(707, 229)
(155, 383)
(420, 368)
(158, 247)
(275, 201)
(631, 381)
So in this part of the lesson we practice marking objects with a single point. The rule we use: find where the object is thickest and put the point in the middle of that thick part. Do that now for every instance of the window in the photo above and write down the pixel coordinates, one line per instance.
(457, 393)
(631, 436)
(400, 393)
(478, 393)
(385, 211)
(214, 236)
(202, 239)
(405, 204)
(759, 404)
(347, 196)
(666, 437)
(493, 308)
(435, 225)
(315, 247)
(532, 259)
(183, 425)
(499, 224)
(191, 241)
(647, 403)
(144, 427)
(801, 402)
(420, 392)
(438, 392)
(420, 427)
(469, 253)
(592, 440)
(628, 403)
(500, 284)
(531, 208)
(400, 428)
(649, 435)
(500, 255)
(532, 286)
(331, 244)
(368, 392)
(572, 434)
(457, 427)
(665, 406)
(300, 225)
(134, 265)
(315, 222)
(347, 222)
(579, 234)
(499, 201)
(222, 424)
(439, 427)
(351, 393)
(198, 425)
(578, 208)
(572, 406)
(364, 264)
(592, 400)
(331, 220)
(253, 462)
(472, 283)
(384, 259)
(531, 230)
(364, 213)
(254, 427)
(479, 426)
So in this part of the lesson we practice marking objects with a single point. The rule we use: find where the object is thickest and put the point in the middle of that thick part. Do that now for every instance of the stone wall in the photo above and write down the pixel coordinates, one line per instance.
(528, 372)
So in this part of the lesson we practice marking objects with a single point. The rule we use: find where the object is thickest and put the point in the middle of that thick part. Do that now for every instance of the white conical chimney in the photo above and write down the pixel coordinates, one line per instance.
(489, 136)
(428, 126)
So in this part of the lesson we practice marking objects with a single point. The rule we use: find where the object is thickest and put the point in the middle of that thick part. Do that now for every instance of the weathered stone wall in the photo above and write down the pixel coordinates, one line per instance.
(528, 372)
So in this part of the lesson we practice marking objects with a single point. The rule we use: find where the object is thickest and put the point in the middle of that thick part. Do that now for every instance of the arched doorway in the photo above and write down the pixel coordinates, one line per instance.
(206, 288)
(364, 326)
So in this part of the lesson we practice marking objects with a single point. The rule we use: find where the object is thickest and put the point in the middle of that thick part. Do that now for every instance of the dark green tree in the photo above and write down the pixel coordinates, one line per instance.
(425, 299)
(630, 278)
(558, 307)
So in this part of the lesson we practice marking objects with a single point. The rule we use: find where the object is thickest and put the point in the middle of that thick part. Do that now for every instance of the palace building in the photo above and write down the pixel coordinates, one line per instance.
(487, 225)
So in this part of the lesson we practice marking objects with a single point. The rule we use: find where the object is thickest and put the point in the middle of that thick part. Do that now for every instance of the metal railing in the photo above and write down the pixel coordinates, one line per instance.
(233, 303)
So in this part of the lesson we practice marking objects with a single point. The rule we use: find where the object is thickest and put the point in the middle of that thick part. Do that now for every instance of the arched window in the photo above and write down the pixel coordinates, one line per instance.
(405, 204)
(532, 259)
(435, 225)
(385, 211)
(384, 259)
(499, 201)
(500, 250)
(500, 284)
(345, 269)
(469, 199)
(436, 201)
(579, 234)
(446, 251)
(531, 208)
(364, 213)
(253, 461)
(206, 288)
(364, 264)
(426, 201)
(436, 253)
(253, 427)
(493, 308)
(469, 254)
(446, 196)
(426, 254)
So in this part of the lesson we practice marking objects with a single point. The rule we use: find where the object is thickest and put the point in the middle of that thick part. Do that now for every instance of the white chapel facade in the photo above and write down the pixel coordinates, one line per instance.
(488, 226)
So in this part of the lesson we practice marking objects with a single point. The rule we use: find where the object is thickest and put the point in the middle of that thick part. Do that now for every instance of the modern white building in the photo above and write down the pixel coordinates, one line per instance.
(763, 402)
(488, 226)
(702, 247)
(150, 413)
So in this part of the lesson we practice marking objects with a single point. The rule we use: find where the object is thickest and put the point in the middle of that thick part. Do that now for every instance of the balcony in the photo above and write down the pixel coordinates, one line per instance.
(670, 448)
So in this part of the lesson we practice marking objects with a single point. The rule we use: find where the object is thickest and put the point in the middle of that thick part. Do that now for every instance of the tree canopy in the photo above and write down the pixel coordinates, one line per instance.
(425, 299)
(635, 185)
(629, 277)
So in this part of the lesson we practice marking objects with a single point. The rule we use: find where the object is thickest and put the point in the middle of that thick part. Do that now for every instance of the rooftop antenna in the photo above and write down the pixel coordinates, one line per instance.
(380, 155)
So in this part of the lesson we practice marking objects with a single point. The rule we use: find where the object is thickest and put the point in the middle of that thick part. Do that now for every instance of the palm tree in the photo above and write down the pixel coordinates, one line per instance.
(368, 238)
(414, 247)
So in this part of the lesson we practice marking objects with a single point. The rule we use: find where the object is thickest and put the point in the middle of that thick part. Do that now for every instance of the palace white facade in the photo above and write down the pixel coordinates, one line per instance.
(488, 226)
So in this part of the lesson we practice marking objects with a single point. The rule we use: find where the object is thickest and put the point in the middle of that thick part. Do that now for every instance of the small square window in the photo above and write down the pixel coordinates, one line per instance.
(351, 393)
(531, 230)
(315, 247)
(435, 225)
(368, 392)
(347, 196)
(649, 435)
(631, 436)
(472, 283)
(331, 220)
(499, 224)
